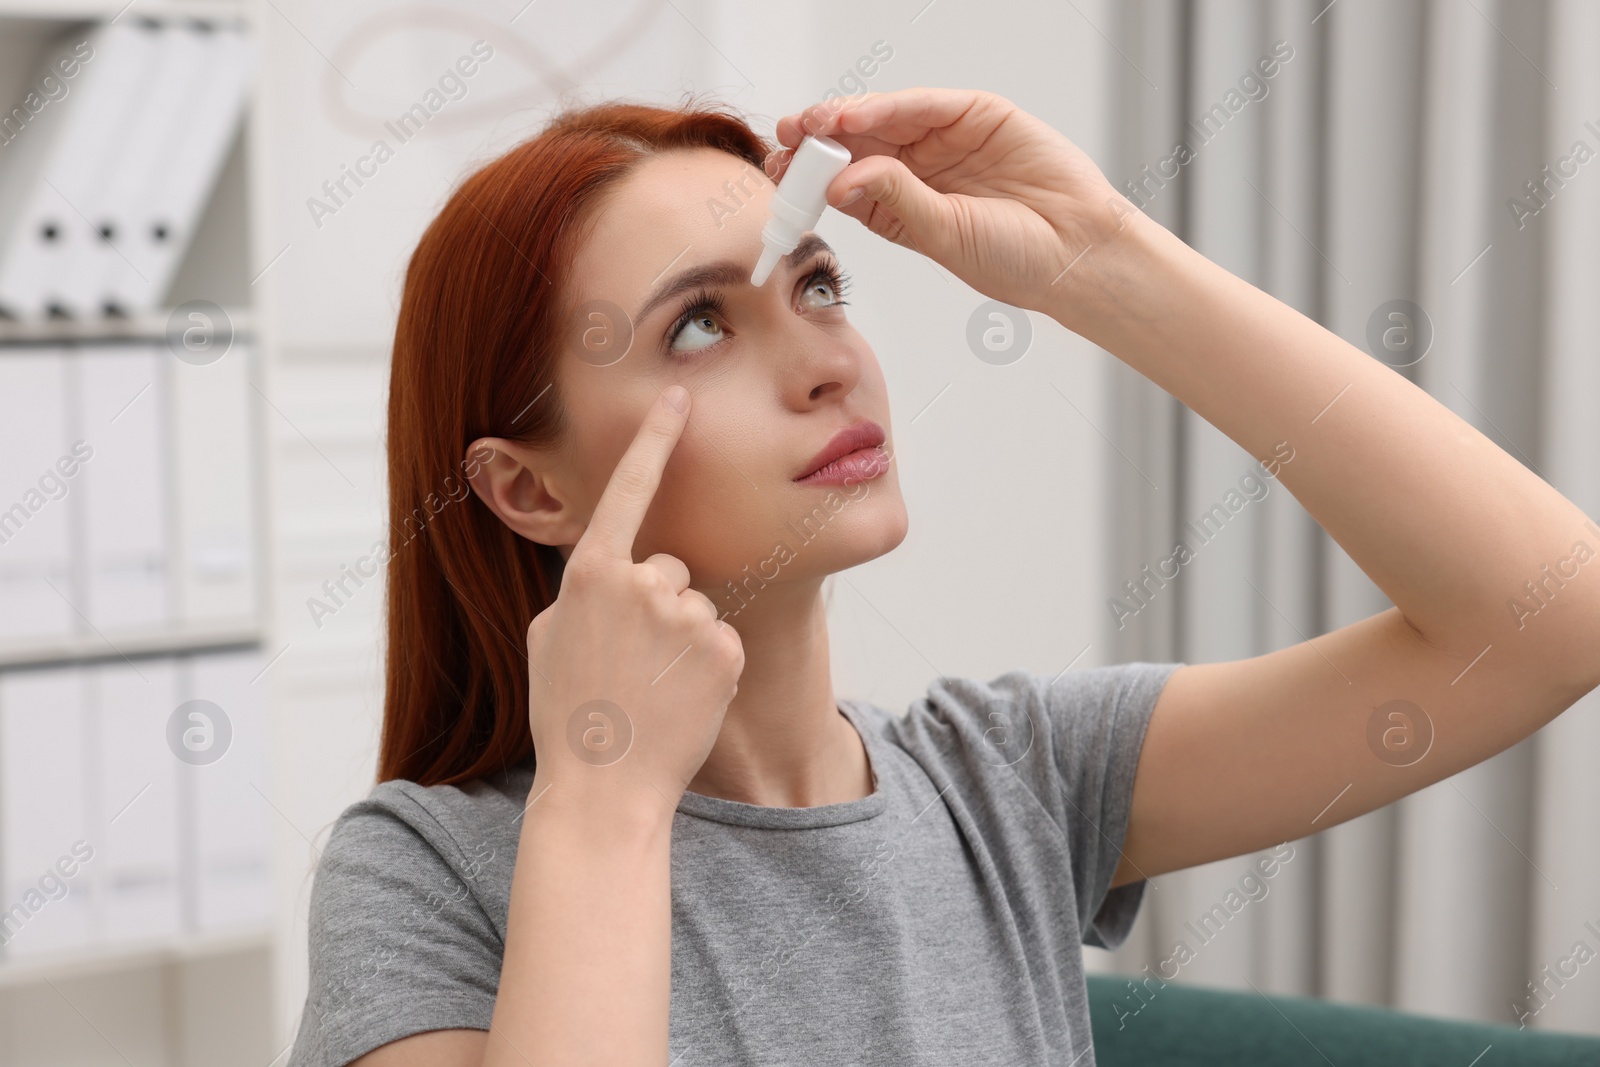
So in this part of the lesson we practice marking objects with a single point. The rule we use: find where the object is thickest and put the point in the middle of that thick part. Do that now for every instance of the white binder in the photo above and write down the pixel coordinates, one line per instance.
(232, 803)
(47, 855)
(121, 392)
(213, 549)
(135, 792)
(32, 143)
(40, 486)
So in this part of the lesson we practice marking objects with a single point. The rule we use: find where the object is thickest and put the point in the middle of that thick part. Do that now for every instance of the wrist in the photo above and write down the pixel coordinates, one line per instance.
(1119, 280)
(602, 804)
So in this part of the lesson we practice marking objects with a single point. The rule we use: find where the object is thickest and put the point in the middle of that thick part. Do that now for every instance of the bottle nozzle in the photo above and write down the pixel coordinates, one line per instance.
(769, 259)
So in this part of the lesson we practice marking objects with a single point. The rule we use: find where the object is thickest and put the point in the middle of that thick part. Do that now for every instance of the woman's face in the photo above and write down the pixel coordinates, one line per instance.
(774, 373)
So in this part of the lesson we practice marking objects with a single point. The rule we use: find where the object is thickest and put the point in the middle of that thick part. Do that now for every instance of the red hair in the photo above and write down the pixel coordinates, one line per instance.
(475, 351)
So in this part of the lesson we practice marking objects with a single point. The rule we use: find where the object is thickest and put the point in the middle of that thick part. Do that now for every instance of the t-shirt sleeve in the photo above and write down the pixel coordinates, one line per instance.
(398, 943)
(1097, 718)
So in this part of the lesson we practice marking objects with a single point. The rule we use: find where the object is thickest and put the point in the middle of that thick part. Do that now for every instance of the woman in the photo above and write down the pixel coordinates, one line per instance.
(713, 860)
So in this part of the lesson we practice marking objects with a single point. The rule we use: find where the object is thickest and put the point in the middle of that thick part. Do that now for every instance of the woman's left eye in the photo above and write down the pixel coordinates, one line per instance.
(827, 279)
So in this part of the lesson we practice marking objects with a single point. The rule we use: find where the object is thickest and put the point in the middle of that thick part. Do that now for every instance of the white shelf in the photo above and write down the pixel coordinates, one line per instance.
(78, 963)
(174, 641)
(87, 10)
(151, 326)
(214, 1005)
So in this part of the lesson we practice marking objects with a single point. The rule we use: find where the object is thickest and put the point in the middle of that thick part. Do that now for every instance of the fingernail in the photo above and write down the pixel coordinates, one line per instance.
(675, 397)
(856, 193)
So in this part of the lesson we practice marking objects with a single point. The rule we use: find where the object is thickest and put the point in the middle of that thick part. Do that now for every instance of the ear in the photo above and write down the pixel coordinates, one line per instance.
(522, 486)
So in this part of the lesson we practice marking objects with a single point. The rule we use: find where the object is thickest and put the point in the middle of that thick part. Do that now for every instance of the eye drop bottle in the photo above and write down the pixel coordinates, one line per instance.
(799, 199)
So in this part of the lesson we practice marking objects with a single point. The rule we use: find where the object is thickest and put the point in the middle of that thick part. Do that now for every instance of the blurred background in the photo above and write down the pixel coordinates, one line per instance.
(206, 209)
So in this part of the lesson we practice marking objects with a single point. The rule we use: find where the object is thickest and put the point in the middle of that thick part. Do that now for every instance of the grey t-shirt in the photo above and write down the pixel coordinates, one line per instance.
(938, 920)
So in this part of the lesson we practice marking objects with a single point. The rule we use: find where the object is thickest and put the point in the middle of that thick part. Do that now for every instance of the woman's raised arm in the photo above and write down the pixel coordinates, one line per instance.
(1244, 754)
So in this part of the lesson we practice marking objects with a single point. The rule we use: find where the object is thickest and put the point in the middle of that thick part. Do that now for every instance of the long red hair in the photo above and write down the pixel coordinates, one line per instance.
(474, 355)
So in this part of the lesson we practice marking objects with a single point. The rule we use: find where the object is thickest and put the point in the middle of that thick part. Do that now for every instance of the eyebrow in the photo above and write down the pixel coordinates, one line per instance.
(726, 272)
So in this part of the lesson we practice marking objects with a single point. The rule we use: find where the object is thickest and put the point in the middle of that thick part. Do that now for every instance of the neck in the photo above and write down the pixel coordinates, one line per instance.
(784, 743)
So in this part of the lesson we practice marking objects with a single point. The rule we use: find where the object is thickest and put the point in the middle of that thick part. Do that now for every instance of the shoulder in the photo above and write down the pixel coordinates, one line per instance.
(405, 927)
(1001, 720)
(407, 846)
(1069, 738)
(1027, 751)
(457, 823)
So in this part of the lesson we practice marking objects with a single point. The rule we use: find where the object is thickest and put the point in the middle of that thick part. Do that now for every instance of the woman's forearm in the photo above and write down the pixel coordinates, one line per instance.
(587, 971)
(1447, 524)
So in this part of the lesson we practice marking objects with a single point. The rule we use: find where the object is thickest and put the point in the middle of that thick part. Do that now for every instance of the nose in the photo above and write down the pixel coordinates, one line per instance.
(823, 366)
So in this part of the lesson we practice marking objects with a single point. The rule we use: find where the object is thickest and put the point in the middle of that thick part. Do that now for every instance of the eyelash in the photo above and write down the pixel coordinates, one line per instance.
(706, 300)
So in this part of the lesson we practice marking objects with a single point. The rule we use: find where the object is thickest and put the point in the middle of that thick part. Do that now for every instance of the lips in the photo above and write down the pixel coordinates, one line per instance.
(853, 438)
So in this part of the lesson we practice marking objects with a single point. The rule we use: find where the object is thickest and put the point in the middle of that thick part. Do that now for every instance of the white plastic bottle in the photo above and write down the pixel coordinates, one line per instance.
(799, 199)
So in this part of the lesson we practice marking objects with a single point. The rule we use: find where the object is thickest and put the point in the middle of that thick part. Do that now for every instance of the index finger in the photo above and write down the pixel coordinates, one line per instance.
(890, 119)
(615, 523)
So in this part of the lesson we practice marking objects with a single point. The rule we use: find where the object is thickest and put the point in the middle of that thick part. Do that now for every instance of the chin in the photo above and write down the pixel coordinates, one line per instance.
(870, 528)
(892, 530)
(811, 544)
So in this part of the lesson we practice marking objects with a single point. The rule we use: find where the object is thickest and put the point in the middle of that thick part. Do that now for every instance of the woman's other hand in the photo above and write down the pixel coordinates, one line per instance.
(632, 669)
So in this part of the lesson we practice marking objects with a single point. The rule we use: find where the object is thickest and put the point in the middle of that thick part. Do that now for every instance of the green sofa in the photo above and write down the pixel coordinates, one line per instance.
(1196, 1027)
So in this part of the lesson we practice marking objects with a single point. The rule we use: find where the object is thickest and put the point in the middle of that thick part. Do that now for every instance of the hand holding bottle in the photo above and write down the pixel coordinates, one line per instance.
(967, 178)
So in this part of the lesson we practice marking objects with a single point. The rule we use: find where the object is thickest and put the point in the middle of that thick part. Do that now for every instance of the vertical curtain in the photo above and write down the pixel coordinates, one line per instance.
(1422, 178)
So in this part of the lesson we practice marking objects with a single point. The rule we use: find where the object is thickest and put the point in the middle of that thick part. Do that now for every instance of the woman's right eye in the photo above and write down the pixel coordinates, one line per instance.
(701, 322)
(700, 315)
